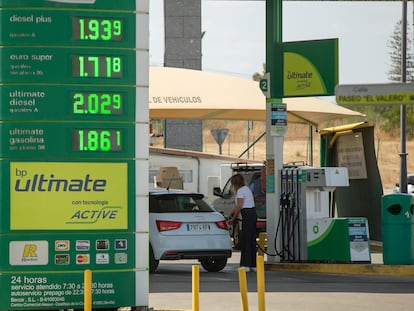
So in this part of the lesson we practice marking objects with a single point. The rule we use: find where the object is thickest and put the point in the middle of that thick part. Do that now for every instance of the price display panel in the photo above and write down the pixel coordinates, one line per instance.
(67, 140)
(76, 102)
(97, 140)
(80, 28)
(83, 66)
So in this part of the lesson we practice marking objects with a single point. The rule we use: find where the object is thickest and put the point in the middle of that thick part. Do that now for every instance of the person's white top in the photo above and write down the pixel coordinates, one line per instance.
(246, 194)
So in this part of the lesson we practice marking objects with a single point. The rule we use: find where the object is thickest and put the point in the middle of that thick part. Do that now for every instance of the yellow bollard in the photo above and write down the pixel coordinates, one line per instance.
(243, 289)
(262, 243)
(260, 283)
(87, 290)
(196, 288)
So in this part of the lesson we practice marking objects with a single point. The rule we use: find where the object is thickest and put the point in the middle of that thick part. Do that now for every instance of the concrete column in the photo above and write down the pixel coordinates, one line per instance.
(182, 20)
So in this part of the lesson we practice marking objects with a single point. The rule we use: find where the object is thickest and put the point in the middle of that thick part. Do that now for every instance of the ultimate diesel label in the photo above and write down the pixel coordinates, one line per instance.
(73, 196)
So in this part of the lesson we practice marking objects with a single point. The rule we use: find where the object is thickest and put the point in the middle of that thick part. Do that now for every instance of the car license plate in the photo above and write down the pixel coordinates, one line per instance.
(198, 227)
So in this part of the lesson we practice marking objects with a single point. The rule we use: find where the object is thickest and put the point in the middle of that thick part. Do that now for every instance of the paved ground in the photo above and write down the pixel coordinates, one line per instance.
(331, 290)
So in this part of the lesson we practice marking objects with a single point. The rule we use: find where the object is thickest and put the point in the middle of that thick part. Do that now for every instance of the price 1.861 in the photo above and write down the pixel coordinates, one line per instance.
(97, 140)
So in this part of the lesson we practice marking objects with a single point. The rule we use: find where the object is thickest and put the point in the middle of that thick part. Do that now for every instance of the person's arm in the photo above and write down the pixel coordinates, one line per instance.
(236, 210)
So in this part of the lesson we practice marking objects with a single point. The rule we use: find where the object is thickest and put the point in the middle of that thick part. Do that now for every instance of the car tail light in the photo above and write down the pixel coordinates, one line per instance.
(222, 224)
(261, 224)
(165, 225)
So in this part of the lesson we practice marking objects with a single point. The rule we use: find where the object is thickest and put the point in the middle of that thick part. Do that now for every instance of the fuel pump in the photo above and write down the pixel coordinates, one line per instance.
(305, 201)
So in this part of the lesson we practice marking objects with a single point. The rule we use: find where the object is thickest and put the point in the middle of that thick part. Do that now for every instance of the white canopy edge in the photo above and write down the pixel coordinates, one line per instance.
(176, 93)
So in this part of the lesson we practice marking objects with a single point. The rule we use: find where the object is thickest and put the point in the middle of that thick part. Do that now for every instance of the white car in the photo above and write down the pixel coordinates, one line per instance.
(410, 185)
(182, 225)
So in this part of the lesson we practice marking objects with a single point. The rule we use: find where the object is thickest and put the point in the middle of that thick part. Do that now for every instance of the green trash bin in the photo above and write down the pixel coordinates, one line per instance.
(397, 229)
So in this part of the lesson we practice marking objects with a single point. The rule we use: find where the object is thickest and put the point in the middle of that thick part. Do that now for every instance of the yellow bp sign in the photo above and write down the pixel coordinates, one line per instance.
(68, 196)
(310, 68)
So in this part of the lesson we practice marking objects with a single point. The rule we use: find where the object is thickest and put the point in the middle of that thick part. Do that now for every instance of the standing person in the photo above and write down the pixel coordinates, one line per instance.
(244, 204)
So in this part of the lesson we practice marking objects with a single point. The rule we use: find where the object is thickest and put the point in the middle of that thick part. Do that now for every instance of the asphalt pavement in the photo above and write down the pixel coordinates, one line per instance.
(288, 287)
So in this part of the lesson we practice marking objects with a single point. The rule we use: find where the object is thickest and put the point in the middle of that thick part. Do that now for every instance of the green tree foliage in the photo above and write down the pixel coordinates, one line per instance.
(390, 114)
(257, 76)
(395, 44)
(387, 117)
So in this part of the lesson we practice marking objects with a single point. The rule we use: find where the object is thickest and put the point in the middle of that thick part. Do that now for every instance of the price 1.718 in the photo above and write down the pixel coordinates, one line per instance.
(97, 66)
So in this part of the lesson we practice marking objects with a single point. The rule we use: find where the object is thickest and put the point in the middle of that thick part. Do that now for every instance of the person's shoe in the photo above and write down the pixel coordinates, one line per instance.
(245, 268)
(253, 269)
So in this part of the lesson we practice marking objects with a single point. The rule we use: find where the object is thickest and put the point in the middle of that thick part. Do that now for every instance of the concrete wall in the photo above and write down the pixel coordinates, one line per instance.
(182, 20)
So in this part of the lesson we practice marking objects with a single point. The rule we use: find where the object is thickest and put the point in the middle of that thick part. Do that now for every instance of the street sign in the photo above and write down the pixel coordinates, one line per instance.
(219, 136)
(388, 93)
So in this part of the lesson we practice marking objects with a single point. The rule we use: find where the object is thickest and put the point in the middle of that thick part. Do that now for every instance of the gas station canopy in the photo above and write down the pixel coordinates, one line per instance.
(176, 93)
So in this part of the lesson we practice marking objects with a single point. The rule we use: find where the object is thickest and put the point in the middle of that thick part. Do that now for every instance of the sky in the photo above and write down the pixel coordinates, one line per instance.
(234, 42)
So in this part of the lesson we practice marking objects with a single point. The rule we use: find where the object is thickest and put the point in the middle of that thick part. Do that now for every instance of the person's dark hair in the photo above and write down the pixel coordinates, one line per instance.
(237, 181)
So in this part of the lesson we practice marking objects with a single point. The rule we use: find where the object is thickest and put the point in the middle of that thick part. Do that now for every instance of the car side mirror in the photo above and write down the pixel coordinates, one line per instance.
(217, 192)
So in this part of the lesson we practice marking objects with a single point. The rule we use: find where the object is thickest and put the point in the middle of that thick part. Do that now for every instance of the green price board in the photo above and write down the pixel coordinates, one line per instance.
(67, 65)
(25, 140)
(57, 234)
(80, 28)
(68, 88)
(76, 102)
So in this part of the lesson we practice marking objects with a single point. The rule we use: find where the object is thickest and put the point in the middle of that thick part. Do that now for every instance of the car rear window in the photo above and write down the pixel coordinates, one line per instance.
(178, 203)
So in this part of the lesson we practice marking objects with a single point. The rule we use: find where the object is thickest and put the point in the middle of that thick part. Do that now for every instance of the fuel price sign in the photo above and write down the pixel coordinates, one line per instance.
(76, 102)
(67, 140)
(103, 66)
(73, 74)
(86, 28)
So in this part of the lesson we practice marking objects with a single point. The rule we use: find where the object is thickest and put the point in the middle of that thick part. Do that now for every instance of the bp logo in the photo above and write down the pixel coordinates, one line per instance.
(315, 229)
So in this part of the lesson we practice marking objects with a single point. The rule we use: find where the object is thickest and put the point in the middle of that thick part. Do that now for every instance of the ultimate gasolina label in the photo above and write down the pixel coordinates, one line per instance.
(63, 139)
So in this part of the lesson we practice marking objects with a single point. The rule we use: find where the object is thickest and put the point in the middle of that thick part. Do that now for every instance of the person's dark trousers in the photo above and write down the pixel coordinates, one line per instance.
(248, 241)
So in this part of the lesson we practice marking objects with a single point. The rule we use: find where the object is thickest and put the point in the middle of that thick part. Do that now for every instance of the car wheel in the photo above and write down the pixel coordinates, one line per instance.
(153, 264)
(214, 264)
(237, 235)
